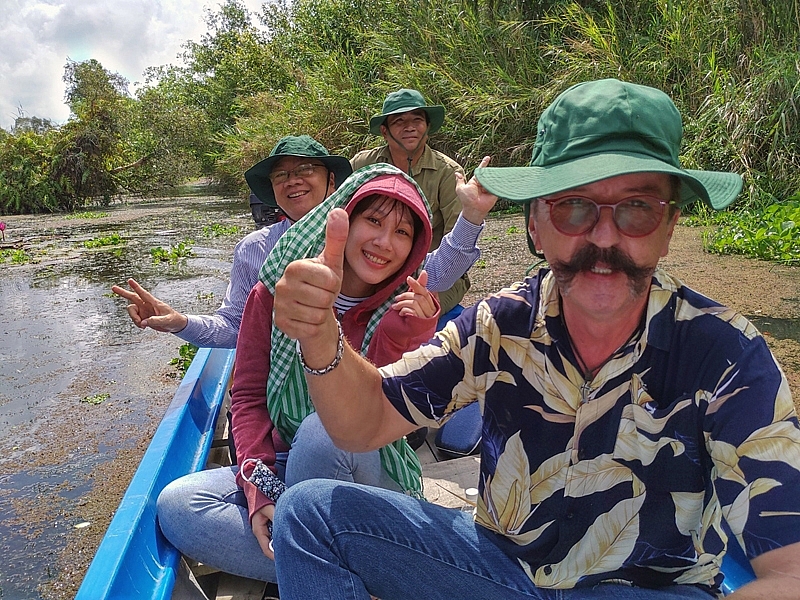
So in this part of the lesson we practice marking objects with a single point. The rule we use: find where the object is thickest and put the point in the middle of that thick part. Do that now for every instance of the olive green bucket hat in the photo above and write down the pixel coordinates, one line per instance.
(601, 129)
(403, 101)
(257, 176)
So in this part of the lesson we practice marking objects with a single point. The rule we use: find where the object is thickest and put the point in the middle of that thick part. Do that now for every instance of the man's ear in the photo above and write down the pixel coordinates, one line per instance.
(331, 181)
(533, 238)
(673, 220)
(385, 132)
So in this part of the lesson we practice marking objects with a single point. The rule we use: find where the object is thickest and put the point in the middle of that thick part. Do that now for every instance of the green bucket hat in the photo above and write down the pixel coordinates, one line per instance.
(601, 129)
(403, 101)
(257, 176)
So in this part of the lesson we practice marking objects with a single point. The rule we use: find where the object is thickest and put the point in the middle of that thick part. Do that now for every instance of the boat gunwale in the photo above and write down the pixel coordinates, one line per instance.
(133, 556)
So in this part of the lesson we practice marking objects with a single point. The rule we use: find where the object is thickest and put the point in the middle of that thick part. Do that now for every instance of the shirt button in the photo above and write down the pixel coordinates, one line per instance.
(570, 515)
(547, 569)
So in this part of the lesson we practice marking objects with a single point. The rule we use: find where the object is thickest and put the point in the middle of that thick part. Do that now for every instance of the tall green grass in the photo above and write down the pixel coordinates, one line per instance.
(732, 67)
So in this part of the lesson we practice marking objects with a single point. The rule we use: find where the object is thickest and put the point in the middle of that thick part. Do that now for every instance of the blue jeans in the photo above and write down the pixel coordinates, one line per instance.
(205, 514)
(314, 456)
(345, 541)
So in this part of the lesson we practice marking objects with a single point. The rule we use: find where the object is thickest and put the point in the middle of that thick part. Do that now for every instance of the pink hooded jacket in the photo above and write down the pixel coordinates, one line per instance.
(254, 433)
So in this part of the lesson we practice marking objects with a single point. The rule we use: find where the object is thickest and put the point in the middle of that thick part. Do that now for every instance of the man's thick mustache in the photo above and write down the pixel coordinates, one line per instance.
(613, 258)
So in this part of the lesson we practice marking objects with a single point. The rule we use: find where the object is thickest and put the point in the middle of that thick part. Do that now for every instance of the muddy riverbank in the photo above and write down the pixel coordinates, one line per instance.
(65, 462)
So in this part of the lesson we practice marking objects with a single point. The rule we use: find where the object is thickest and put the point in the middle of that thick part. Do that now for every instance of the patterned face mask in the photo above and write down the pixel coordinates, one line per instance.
(266, 482)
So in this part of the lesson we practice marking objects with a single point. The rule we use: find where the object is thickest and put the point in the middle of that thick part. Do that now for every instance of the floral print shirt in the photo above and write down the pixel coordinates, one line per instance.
(684, 441)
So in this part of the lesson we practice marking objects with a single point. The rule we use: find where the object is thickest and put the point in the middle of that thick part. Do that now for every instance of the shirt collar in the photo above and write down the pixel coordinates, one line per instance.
(426, 159)
(659, 324)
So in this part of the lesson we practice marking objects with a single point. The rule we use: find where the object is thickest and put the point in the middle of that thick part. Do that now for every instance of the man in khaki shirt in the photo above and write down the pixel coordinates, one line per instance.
(405, 123)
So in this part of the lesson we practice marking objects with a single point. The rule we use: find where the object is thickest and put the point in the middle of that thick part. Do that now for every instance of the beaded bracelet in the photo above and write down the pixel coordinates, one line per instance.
(336, 359)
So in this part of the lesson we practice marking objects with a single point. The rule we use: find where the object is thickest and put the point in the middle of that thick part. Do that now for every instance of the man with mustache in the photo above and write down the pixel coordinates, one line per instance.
(633, 429)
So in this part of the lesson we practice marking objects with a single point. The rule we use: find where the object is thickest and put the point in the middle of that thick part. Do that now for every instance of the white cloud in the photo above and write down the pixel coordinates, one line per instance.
(125, 36)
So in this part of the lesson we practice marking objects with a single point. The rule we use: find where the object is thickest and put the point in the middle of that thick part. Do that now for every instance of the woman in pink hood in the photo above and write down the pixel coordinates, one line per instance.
(223, 517)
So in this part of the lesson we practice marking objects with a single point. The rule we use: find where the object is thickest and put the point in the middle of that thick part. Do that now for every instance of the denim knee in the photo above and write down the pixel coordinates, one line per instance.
(172, 506)
(312, 430)
(173, 497)
(300, 500)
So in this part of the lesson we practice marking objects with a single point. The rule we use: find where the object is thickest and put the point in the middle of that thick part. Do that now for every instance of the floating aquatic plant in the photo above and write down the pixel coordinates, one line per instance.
(114, 239)
(172, 254)
(96, 398)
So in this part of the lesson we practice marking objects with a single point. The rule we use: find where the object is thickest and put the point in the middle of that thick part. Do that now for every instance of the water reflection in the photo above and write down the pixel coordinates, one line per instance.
(64, 336)
(781, 329)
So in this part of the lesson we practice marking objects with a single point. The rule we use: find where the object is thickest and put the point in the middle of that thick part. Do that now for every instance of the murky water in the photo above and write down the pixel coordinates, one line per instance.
(64, 337)
(781, 329)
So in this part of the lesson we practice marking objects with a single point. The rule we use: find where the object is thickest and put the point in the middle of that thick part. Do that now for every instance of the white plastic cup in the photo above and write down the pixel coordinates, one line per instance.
(472, 500)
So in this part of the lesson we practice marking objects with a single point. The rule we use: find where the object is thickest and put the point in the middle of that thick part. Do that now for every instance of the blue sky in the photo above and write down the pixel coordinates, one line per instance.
(126, 36)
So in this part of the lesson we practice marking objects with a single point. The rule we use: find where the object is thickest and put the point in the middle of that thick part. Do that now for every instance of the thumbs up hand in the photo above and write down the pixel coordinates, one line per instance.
(305, 294)
(336, 230)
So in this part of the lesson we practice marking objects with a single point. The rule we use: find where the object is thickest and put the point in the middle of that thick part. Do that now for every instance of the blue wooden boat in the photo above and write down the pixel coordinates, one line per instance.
(134, 559)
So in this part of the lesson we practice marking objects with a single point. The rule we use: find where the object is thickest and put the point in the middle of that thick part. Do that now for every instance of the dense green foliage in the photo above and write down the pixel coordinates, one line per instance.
(323, 67)
(112, 144)
(25, 182)
(495, 65)
(772, 233)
